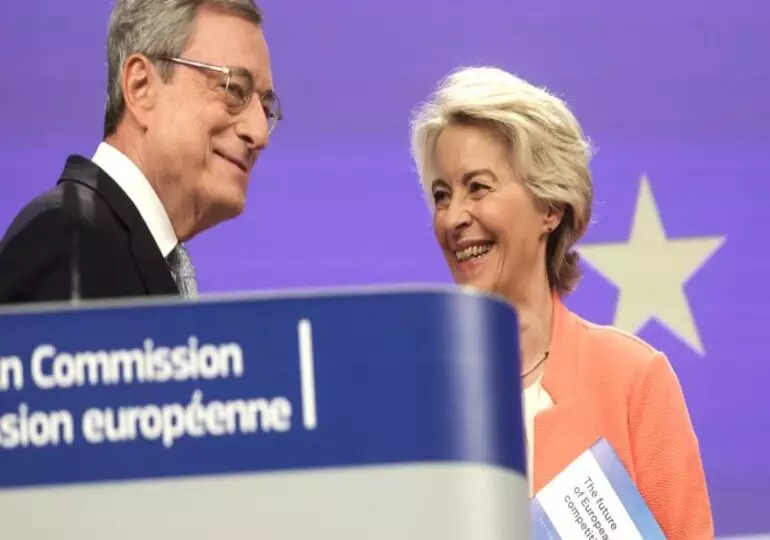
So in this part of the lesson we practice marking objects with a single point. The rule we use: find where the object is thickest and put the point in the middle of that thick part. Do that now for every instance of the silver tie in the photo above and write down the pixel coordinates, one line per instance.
(183, 272)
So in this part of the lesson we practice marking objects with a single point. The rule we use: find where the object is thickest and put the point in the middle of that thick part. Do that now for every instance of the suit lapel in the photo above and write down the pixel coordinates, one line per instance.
(149, 260)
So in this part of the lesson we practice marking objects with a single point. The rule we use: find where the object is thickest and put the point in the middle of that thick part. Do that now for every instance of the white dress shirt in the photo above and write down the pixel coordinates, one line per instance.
(136, 186)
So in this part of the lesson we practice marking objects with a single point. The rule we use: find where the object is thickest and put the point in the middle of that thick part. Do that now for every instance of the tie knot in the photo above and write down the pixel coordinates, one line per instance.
(179, 258)
(183, 272)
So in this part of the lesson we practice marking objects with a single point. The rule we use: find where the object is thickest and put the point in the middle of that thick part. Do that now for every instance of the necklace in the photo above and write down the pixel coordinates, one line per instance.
(537, 365)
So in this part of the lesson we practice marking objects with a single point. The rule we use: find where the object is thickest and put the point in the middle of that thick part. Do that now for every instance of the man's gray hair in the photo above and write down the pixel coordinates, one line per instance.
(155, 28)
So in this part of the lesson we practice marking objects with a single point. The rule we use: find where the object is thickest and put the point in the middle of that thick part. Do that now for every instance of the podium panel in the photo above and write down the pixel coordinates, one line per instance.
(353, 414)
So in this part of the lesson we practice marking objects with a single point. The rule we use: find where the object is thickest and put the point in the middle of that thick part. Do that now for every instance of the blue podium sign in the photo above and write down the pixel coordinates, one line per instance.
(198, 419)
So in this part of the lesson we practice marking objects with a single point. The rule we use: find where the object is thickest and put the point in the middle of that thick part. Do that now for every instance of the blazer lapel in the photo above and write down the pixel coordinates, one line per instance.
(554, 425)
(150, 262)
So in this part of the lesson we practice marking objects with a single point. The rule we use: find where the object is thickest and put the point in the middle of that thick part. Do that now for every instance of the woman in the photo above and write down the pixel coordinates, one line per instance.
(505, 167)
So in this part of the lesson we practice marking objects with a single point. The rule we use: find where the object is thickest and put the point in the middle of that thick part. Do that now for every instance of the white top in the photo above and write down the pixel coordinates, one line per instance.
(535, 399)
(136, 186)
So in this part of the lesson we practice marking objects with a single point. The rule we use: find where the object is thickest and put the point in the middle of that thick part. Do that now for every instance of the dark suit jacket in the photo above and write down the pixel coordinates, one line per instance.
(118, 255)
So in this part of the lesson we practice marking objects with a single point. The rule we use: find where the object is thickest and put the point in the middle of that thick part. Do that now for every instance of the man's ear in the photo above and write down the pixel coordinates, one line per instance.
(553, 217)
(140, 88)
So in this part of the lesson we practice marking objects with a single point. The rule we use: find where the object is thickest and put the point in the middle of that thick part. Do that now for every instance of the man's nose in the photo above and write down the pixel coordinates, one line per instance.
(253, 127)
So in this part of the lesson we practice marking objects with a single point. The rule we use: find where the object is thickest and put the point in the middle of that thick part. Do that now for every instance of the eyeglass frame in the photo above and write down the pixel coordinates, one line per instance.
(275, 107)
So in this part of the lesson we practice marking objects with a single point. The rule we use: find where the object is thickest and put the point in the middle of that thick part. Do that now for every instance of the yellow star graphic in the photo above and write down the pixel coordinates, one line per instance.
(651, 270)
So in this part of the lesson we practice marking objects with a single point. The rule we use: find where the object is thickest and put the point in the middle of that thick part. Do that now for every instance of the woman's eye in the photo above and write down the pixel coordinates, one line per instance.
(440, 196)
(475, 187)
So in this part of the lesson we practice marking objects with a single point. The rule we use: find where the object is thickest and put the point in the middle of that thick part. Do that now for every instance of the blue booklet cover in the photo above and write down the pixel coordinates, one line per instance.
(593, 498)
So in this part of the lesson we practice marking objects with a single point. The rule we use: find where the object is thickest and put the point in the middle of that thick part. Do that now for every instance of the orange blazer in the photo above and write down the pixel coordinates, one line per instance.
(606, 383)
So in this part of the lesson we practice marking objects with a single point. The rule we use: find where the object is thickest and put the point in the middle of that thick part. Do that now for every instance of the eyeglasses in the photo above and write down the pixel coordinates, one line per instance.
(238, 89)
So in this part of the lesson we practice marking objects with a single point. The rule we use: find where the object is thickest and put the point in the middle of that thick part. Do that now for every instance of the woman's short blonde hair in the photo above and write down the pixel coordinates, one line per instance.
(548, 150)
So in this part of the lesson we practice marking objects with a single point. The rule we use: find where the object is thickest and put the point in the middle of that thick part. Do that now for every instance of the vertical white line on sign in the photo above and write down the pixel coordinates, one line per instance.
(307, 374)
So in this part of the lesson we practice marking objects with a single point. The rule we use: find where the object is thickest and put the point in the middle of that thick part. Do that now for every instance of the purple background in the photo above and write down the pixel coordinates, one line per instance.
(677, 90)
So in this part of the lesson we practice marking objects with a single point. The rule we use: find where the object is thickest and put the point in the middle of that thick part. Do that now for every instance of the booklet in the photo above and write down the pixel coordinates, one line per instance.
(593, 498)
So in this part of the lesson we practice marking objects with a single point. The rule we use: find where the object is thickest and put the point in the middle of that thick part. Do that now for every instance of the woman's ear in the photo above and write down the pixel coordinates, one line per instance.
(553, 217)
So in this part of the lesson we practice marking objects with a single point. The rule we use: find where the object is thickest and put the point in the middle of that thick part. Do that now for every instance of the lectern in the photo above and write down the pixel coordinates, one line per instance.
(375, 414)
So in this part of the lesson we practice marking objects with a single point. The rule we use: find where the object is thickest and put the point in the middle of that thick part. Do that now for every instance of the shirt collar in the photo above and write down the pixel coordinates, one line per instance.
(136, 186)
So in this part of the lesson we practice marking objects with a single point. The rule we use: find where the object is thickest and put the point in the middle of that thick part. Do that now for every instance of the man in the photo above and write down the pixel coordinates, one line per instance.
(190, 106)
